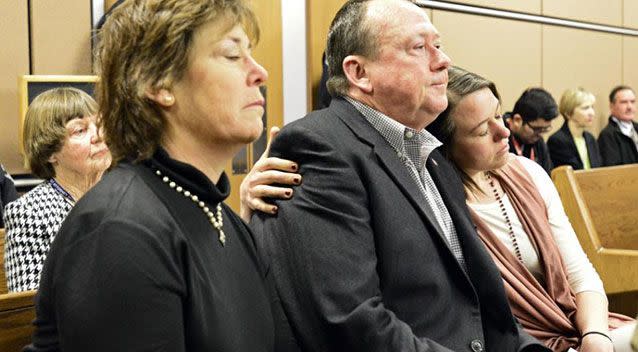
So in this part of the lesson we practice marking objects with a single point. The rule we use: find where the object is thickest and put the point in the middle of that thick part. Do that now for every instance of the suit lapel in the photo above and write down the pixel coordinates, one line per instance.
(388, 158)
(477, 259)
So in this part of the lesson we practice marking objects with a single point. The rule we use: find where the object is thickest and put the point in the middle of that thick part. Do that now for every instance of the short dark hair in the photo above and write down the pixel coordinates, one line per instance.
(612, 95)
(536, 103)
(349, 34)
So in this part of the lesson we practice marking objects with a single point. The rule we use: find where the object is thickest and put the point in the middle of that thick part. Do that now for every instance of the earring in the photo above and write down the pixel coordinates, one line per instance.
(169, 99)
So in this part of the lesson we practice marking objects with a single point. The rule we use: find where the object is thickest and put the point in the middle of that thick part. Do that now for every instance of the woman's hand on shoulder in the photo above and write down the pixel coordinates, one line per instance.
(267, 179)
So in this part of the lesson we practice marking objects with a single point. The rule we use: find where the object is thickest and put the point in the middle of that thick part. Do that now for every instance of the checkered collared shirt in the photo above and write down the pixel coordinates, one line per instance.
(413, 149)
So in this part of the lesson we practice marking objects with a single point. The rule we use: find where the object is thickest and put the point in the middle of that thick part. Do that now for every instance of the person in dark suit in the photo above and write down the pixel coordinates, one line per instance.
(530, 119)
(376, 251)
(618, 141)
(8, 191)
(572, 144)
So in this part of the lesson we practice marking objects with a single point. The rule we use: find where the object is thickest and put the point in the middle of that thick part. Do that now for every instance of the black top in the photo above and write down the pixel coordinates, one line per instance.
(137, 267)
(7, 191)
(563, 151)
(615, 147)
(541, 153)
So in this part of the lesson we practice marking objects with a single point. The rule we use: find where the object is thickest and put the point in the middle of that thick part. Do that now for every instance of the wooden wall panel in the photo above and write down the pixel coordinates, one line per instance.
(319, 15)
(630, 58)
(577, 58)
(605, 12)
(14, 62)
(630, 13)
(61, 43)
(269, 54)
(528, 6)
(506, 52)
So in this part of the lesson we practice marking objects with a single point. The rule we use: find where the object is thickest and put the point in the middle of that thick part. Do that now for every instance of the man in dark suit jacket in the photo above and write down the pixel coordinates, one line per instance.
(618, 141)
(376, 250)
(530, 119)
(8, 191)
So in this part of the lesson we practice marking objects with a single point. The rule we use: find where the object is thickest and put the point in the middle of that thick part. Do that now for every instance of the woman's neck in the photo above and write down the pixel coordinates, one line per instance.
(480, 190)
(576, 130)
(211, 161)
(75, 184)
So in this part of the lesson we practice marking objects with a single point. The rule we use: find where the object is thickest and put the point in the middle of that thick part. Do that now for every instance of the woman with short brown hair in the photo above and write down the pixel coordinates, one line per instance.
(62, 146)
(151, 258)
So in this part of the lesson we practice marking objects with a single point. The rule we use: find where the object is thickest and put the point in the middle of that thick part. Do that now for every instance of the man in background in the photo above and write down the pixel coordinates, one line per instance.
(618, 141)
(529, 121)
(8, 192)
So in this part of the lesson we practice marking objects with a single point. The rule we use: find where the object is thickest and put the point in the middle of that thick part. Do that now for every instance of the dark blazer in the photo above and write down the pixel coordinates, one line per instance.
(8, 191)
(358, 259)
(562, 149)
(615, 147)
(540, 150)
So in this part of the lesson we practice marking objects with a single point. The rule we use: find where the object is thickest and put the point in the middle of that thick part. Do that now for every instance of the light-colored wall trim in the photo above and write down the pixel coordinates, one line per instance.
(98, 10)
(295, 90)
(475, 10)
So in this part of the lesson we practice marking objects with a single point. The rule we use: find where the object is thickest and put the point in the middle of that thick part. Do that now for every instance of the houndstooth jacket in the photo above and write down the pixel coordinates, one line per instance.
(31, 221)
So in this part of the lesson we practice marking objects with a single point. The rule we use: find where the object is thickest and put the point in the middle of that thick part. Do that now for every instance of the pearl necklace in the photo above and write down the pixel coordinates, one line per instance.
(215, 218)
(517, 250)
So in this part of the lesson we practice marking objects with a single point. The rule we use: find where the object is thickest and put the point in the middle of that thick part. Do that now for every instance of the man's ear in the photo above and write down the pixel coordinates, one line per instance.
(354, 68)
(161, 96)
(516, 122)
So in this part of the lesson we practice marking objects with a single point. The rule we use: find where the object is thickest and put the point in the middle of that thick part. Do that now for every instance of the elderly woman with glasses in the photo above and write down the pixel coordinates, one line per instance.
(62, 145)
(151, 259)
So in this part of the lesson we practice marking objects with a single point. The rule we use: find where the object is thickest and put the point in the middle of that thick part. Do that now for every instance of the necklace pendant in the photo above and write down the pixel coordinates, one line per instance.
(222, 237)
(215, 219)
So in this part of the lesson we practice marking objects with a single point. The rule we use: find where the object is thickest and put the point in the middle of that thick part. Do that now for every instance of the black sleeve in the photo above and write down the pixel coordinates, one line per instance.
(609, 151)
(118, 289)
(559, 152)
(8, 191)
(328, 253)
(543, 157)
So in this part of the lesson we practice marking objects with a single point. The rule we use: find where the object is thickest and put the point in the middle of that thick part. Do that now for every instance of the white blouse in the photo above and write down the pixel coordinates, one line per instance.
(580, 272)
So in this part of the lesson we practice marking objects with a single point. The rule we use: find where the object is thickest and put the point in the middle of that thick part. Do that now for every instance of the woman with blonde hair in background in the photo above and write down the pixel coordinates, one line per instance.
(151, 259)
(61, 145)
(572, 144)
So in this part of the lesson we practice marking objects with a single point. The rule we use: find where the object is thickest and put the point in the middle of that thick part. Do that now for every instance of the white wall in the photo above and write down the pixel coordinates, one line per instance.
(293, 29)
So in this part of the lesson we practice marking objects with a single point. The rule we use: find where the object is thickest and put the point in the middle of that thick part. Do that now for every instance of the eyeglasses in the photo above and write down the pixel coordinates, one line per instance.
(539, 129)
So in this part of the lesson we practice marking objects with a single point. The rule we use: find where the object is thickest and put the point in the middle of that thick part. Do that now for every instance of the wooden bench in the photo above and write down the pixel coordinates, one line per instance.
(602, 205)
(17, 312)
(16, 316)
